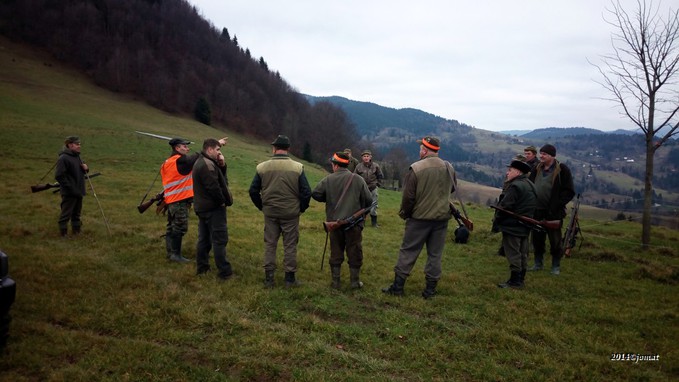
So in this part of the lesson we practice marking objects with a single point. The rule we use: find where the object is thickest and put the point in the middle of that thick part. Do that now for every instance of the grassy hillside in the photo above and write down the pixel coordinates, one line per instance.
(109, 307)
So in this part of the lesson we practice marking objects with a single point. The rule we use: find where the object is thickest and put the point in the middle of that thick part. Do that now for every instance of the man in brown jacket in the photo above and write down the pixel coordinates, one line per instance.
(426, 210)
(344, 193)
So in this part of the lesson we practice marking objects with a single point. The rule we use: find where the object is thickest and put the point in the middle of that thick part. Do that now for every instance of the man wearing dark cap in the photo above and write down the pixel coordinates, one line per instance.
(554, 185)
(531, 154)
(178, 195)
(426, 210)
(353, 162)
(70, 173)
(518, 196)
(281, 191)
(344, 193)
(372, 174)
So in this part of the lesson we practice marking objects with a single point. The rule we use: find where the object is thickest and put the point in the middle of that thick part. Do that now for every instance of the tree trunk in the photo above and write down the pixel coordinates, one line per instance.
(648, 195)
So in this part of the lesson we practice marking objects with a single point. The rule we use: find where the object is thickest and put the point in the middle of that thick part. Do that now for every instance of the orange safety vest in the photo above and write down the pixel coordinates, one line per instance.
(176, 186)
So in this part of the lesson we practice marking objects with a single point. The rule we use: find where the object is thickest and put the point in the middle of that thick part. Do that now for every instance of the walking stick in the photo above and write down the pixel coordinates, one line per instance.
(98, 203)
(324, 248)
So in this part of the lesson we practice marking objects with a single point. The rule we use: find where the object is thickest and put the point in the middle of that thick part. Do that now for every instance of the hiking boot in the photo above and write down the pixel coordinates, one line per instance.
(179, 259)
(290, 280)
(268, 279)
(395, 289)
(513, 282)
(556, 271)
(536, 267)
(430, 289)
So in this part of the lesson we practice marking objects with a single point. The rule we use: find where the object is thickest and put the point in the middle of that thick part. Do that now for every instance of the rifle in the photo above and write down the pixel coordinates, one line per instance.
(348, 222)
(572, 230)
(47, 186)
(535, 224)
(143, 206)
(461, 220)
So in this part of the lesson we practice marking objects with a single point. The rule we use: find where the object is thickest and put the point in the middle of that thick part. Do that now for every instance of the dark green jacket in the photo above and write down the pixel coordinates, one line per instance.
(69, 173)
(330, 188)
(519, 197)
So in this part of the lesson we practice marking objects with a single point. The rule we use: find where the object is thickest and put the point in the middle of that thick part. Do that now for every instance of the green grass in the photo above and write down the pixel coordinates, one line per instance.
(102, 307)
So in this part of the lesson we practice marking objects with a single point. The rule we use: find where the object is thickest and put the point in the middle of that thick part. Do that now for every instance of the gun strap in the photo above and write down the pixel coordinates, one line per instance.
(344, 191)
(449, 168)
(151, 186)
(48, 171)
(325, 247)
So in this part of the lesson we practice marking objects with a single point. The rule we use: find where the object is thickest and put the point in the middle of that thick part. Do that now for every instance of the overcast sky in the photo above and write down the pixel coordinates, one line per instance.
(492, 64)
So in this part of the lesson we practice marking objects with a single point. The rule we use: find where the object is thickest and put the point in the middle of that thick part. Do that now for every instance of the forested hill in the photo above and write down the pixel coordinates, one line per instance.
(167, 54)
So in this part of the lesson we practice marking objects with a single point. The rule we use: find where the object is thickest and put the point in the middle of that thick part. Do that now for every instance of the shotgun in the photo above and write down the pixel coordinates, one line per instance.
(572, 230)
(143, 206)
(548, 224)
(348, 222)
(47, 186)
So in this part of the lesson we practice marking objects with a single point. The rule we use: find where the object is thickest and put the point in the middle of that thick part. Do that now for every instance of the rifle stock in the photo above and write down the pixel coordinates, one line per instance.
(348, 222)
(142, 207)
(47, 186)
(43, 187)
(458, 216)
(548, 224)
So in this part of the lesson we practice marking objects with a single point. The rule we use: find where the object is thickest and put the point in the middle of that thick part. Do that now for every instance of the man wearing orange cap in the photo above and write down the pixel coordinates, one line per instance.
(426, 210)
(344, 193)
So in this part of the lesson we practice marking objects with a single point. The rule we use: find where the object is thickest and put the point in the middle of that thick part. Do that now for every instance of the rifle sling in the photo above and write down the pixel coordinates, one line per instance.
(344, 191)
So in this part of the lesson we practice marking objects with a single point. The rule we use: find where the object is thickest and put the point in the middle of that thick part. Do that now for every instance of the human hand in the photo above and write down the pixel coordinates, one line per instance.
(84, 167)
(223, 141)
(220, 160)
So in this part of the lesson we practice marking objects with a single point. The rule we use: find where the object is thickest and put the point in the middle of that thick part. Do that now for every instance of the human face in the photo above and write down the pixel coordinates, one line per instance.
(75, 147)
(546, 159)
(529, 155)
(213, 152)
(182, 149)
(512, 173)
(423, 151)
(366, 158)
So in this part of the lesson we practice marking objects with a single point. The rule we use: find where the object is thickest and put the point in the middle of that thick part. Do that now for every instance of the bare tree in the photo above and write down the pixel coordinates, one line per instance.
(641, 75)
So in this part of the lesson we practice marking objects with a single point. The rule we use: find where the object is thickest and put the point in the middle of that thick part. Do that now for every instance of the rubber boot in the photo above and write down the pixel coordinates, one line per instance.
(395, 289)
(373, 220)
(513, 282)
(290, 280)
(355, 282)
(76, 230)
(430, 288)
(523, 277)
(63, 232)
(335, 272)
(176, 246)
(268, 279)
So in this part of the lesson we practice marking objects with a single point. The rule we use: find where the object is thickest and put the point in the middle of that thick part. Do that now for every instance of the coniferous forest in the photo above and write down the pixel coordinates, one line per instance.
(166, 54)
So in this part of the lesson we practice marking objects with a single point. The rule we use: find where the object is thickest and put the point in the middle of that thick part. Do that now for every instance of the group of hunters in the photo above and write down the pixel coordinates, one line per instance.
(534, 187)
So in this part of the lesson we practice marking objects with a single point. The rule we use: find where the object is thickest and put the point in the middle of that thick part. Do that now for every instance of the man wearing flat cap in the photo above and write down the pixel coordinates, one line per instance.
(353, 162)
(70, 172)
(372, 174)
(554, 184)
(281, 191)
(518, 196)
(531, 154)
(426, 210)
(344, 193)
(175, 173)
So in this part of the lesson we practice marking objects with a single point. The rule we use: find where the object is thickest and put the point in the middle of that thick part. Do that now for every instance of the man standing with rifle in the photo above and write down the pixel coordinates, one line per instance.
(178, 195)
(554, 184)
(426, 209)
(70, 173)
(344, 193)
(519, 198)
(281, 191)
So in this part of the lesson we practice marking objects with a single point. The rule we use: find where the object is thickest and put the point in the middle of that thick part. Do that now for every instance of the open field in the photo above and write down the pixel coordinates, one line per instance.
(109, 307)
